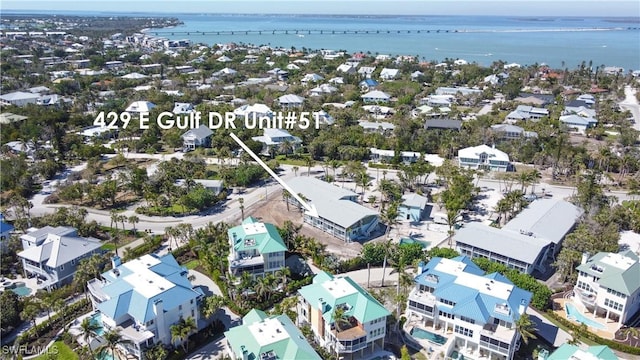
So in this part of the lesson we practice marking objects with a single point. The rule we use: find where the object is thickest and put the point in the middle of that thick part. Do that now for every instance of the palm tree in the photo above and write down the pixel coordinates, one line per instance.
(158, 352)
(526, 327)
(387, 252)
(286, 195)
(261, 288)
(363, 180)
(390, 216)
(295, 170)
(340, 317)
(133, 220)
(112, 339)
(211, 305)
(632, 332)
(88, 330)
(180, 332)
(284, 275)
(309, 162)
(241, 201)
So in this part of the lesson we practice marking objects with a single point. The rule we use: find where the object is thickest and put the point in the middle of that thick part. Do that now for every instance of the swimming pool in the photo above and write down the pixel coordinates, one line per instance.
(408, 240)
(21, 290)
(427, 335)
(96, 319)
(575, 314)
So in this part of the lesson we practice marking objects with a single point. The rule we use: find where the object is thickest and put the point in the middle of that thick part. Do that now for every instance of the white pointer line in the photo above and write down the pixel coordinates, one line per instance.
(311, 209)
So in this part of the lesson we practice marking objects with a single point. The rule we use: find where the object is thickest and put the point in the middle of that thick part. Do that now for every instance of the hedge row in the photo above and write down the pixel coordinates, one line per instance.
(70, 312)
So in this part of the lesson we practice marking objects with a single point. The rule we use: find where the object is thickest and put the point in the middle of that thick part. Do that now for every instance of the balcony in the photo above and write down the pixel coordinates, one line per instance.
(34, 269)
(422, 297)
(134, 332)
(95, 288)
(501, 333)
(586, 297)
(351, 348)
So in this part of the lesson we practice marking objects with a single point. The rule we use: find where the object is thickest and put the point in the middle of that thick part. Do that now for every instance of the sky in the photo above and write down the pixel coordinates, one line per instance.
(625, 8)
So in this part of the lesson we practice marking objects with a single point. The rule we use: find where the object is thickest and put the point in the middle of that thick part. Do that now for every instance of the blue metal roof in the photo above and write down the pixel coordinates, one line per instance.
(5, 227)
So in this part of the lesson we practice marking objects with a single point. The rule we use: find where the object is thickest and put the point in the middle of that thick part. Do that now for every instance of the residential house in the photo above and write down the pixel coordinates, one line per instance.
(512, 132)
(412, 208)
(143, 298)
(216, 186)
(446, 124)
(416, 75)
(267, 337)
(368, 84)
(256, 248)
(225, 72)
(19, 98)
(346, 68)
(427, 111)
(5, 232)
(464, 91)
(253, 111)
(278, 141)
(581, 110)
(339, 214)
(290, 101)
(8, 118)
(52, 254)
(113, 65)
(366, 71)
(476, 311)
(198, 137)
(379, 126)
(528, 242)
(376, 96)
(362, 327)
(311, 78)
(387, 156)
(389, 74)
(574, 352)
(140, 107)
(577, 123)
(322, 90)
(224, 59)
(438, 100)
(608, 286)
(183, 108)
(483, 157)
(525, 112)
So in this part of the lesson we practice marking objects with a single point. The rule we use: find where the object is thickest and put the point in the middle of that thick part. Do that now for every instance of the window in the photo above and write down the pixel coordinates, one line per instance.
(447, 315)
(62, 267)
(616, 293)
(150, 322)
(73, 262)
(612, 304)
(463, 331)
(180, 307)
(466, 319)
(447, 302)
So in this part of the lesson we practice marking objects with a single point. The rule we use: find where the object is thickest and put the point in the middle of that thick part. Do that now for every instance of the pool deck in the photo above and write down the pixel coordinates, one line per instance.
(610, 326)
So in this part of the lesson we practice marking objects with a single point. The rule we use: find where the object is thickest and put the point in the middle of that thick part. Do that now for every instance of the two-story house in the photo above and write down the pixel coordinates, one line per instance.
(608, 286)
(345, 319)
(52, 254)
(278, 141)
(198, 137)
(457, 307)
(483, 157)
(256, 248)
(142, 298)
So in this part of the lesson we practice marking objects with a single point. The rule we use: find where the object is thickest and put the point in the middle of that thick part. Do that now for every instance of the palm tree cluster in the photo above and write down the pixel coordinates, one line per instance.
(181, 331)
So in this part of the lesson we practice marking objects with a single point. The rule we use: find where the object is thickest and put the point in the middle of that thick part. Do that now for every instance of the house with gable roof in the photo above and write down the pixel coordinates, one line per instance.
(608, 286)
(360, 331)
(483, 157)
(143, 298)
(198, 137)
(267, 337)
(476, 312)
(256, 248)
(53, 254)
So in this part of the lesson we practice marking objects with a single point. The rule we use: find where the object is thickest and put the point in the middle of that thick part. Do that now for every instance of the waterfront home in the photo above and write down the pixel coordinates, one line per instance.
(339, 213)
(256, 248)
(460, 310)
(143, 298)
(483, 157)
(198, 137)
(528, 242)
(53, 254)
(278, 141)
(412, 208)
(263, 337)
(608, 286)
(362, 327)
(376, 96)
(290, 101)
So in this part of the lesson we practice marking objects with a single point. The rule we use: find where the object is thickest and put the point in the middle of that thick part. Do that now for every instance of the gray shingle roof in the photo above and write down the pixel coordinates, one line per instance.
(200, 133)
(331, 201)
(546, 218)
(508, 243)
(59, 251)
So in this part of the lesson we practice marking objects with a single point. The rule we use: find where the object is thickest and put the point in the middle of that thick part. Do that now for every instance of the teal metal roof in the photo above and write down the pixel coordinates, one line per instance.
(566, 351)
(334, 291)
(619, 272)
(260, 334)
(253, 234)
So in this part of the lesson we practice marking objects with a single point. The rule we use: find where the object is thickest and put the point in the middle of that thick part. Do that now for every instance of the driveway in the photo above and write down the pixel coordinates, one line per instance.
(216, 349)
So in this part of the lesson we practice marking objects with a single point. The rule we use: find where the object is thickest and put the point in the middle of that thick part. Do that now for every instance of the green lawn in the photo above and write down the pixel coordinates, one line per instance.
(108, 247)
(59, 350)
(192, 264)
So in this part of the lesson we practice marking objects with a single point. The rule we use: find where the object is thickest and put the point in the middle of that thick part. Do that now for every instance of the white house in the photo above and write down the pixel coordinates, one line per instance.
(463, 311)
(19, 98)
(140, 107)
(322, 89)
(257, 110)
(389, 74)
(277, 140)
(143, 298)
(483, 157)
(608, 286)
(346, 69)
(183, 108)
(577, 123)
(376, 96)
(290, 101)
(525, 112)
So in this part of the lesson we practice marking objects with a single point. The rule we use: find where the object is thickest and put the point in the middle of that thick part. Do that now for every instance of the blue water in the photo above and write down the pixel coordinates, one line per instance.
(559, 42)
(96, 319)
(575, 314)
(21, 290)
(424, 244)
(427, 335)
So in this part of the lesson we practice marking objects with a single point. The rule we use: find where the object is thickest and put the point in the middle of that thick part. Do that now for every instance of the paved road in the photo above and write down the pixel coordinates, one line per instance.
(216, 349)
(631, 103)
